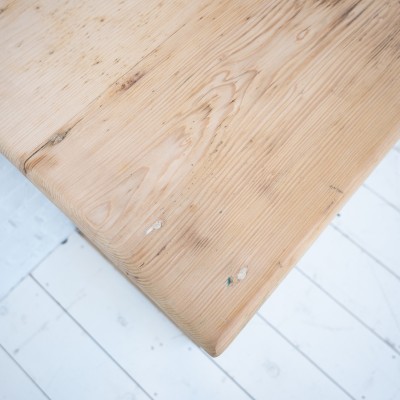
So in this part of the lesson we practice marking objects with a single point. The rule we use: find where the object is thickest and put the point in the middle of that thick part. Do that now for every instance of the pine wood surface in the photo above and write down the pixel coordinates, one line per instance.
(201, 146)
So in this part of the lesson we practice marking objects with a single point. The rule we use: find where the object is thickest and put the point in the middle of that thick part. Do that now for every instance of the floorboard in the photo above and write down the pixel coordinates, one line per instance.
(59, 356)
(15, 383)
(30, 226)
(350, 354)
(375, 297)
(385, 180)
(372, 224)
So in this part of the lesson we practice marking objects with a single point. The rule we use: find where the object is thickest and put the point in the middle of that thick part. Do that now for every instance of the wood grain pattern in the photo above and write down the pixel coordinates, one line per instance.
(206, 170)
(57, 57)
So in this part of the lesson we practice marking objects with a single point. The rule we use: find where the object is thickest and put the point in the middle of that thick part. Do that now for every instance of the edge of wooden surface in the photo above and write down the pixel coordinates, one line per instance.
(215, 345)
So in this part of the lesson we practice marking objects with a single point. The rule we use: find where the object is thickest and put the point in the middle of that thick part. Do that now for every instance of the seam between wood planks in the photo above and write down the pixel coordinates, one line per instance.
(382, 264)
(91, 337)
(60, 134)
(225, 372)
(11, 289)
(381, 198)
(342, 306)
(24, 371)
(309, 359)
(116, 362)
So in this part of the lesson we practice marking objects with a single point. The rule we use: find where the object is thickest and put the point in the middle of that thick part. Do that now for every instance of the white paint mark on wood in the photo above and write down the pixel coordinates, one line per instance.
(242, 273)
(156, 226)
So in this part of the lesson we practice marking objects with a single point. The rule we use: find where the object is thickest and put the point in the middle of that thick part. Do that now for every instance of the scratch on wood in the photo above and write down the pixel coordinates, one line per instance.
(161, 250)
(329, 206)
(336, 189)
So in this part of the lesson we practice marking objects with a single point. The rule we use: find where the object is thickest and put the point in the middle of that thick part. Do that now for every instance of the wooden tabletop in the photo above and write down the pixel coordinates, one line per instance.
(200, 145)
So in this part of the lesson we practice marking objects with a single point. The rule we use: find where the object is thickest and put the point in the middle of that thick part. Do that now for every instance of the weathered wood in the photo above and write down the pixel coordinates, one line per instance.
(212, 162)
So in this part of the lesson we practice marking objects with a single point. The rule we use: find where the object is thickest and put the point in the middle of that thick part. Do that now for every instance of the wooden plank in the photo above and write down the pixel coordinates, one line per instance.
(357, 282)
(267, 366)
(14, 383)
(356, 359)
(385, 180)
(210, 166)
(30, 225)
(129, 327)
(56, 352)
(368, 221)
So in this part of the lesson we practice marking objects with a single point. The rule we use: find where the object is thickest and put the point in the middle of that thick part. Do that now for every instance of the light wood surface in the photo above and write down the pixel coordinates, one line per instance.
(205, 165)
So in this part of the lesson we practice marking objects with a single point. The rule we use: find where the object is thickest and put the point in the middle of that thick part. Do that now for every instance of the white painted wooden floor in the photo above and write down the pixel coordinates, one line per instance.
(71, 327)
